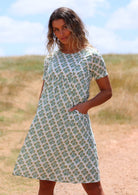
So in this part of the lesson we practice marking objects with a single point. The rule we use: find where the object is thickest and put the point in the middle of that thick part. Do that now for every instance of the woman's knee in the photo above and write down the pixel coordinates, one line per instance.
(47, 185)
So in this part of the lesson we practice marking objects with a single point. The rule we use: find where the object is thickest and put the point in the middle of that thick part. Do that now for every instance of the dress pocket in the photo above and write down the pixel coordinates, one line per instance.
(81, 113)
(80, 119)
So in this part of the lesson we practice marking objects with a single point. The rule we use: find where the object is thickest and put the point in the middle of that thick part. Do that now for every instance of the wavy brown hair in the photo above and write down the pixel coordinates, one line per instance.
(74, 24)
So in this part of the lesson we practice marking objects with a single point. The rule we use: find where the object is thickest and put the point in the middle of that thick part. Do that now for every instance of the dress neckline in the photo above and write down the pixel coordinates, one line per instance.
(74, 52)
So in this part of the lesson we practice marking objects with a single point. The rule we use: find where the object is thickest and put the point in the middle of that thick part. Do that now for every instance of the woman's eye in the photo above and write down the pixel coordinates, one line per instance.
(55, 30)
(64, 27)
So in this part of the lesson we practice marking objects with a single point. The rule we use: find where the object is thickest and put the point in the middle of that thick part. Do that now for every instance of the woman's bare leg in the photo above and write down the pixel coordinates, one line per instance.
(46, 187)
(93, 188)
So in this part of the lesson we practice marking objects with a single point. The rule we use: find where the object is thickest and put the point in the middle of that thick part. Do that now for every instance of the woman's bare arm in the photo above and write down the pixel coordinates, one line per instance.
(104, 94)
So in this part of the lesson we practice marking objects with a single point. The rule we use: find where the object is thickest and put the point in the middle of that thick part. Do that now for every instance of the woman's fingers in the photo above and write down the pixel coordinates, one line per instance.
(81, 107)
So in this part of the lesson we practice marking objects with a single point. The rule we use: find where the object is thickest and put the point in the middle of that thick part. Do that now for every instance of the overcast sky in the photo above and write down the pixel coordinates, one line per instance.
(112, 24)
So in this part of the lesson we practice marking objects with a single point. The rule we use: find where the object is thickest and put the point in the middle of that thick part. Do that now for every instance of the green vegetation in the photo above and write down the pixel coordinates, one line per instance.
(22, 63)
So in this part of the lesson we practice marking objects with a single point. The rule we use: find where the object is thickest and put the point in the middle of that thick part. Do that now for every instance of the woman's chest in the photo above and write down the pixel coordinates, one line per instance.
(60, 69)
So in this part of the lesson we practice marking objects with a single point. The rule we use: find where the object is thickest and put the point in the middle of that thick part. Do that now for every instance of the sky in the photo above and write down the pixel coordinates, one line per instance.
(112, 25)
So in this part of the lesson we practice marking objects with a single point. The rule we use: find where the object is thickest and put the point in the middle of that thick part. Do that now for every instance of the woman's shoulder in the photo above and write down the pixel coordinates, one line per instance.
(50, 56)
(91, 51)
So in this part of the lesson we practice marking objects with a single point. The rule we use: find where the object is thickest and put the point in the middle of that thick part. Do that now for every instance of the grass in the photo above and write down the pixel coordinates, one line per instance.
(22, 63)
(5, 106)
(1, 133)
(15, 74)
(125, 62)
(108, 116)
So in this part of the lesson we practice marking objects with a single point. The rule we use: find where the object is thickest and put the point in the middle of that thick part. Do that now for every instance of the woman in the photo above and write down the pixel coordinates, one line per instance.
(60, 145)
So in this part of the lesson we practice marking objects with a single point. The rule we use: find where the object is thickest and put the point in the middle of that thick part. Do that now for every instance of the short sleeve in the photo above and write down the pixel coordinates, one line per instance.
(45, 68)
(98, 66)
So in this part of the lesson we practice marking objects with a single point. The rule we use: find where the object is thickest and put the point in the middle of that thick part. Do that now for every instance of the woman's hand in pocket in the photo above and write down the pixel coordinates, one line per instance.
(81, 107)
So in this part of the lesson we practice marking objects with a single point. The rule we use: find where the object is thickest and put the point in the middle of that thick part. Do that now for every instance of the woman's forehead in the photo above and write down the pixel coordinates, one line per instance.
(58, 22)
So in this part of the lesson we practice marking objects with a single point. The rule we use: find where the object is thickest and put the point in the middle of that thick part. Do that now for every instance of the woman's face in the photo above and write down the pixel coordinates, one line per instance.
(61, 31)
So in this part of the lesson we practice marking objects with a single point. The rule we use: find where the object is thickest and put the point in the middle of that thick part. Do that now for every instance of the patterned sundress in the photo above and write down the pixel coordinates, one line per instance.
(60, 145)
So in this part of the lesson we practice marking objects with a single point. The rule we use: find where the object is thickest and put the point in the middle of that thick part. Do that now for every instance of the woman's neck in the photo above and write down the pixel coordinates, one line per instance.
(67, 49)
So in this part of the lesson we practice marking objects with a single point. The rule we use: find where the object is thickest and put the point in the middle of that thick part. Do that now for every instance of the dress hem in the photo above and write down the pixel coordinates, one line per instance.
(58, 180)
